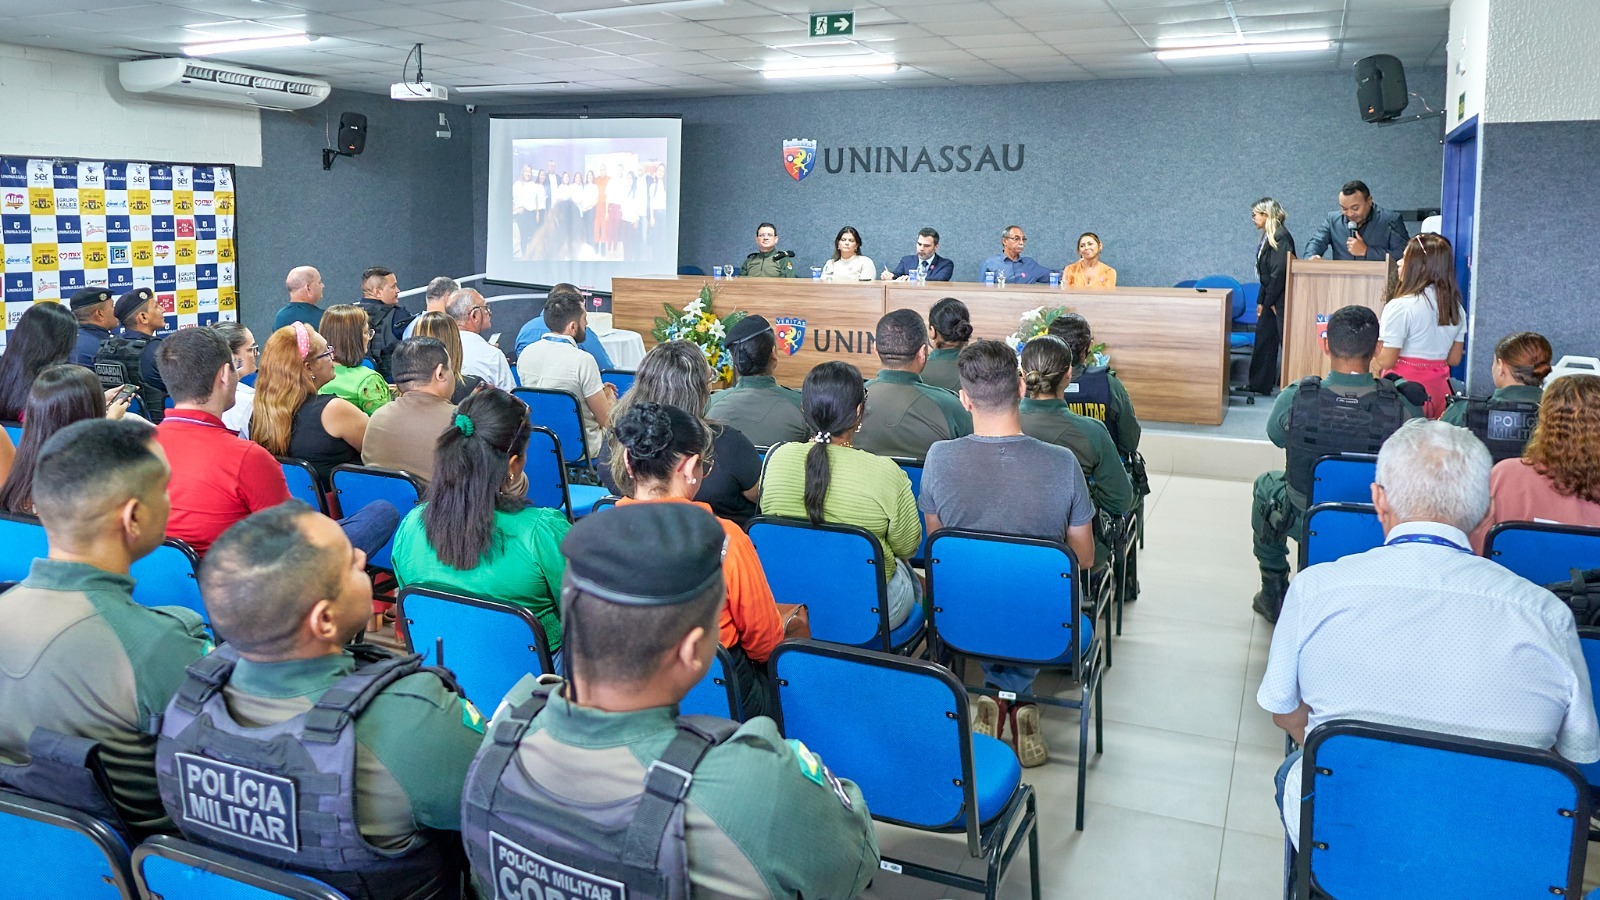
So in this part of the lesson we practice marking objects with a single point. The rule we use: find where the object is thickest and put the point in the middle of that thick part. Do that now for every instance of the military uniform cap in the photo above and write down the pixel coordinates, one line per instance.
(88, 297)
(645, 554)
(130, 302)
(747, 328)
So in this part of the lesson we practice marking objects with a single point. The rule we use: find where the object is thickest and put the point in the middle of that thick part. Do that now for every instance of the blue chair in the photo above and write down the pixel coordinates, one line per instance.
(915, 759)
(1252, 297)
(13, 430)
(167, 578)
(169, 868)
(558, 411)
(1187, 283)
(1343, 478)
(913, 469)
(1335, 530)
(691, 270)
(302, 480)
(850, 604)
(717, 694)
(489, 645)
(1012, 600)
(1395, 812)
(1543, 554)
(355, 486)
(548, 484)
(24, 540)
(621, 378)
(53, 851)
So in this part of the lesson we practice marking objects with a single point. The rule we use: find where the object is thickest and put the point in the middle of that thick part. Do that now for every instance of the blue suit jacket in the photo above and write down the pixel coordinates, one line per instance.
(940, 268)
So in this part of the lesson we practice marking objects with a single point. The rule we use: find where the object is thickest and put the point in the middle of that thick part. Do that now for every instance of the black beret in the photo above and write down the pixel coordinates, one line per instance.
(645, 554)
(88, 297)
(129, 303)
(747, 328)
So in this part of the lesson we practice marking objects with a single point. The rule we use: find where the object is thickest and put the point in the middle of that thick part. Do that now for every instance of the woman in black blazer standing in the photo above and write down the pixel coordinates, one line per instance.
(1272, 268)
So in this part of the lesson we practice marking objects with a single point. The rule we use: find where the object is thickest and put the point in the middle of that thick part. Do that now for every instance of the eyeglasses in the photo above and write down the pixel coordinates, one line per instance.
(371, 333)
(1021, 239)
(326, 354)
(706, 465)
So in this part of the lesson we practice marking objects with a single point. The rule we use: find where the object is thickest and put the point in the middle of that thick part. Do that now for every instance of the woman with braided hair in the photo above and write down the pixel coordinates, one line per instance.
(1099, 394)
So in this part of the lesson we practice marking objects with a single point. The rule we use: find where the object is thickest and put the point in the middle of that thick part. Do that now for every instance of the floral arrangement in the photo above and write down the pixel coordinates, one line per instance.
(1036, 322)
(697, 324)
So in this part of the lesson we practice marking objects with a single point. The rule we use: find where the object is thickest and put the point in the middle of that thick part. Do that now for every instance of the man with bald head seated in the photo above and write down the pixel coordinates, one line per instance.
(904, 415)
(78, 657)
(370, 749)
(304, 285)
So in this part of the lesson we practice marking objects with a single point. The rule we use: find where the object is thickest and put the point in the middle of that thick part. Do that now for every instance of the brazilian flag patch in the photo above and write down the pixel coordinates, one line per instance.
(812, 768)
(470, 716)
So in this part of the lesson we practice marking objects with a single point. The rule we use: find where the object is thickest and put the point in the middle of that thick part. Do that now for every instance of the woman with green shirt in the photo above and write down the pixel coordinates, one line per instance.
(475, 533)
(827, 480)
(949, 329)
(347, 332)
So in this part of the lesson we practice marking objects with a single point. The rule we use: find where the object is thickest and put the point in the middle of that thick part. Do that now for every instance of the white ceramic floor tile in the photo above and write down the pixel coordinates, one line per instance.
(1251, 868)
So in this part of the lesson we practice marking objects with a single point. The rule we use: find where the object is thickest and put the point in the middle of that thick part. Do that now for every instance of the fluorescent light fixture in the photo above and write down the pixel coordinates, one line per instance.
(1244, 49)
(509, 88)
(667, 6)
(298, 39)
(827, 69)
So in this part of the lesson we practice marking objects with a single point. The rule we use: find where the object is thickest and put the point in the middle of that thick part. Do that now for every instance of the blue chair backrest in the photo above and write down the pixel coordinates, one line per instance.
(174, 869)
(691, 270)
(167, 578)
(24, 540)
(842, 602)
(895, 726)
(14, 431)
(1344, 478)
(1212, 282)
(1393, 812)
(53, 851)
(356, 486)
(1187, 283)
(1252, 296)
(716, 694)
(557, 411)
(489, 645)
(302, 480)
(1004, 597)
(623, 380)
(1542, 553)
(1335, 530)
(1590, 639)
(547, 473)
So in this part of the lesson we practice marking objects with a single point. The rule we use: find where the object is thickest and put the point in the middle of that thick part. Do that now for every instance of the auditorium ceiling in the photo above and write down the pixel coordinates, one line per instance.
(540, 49)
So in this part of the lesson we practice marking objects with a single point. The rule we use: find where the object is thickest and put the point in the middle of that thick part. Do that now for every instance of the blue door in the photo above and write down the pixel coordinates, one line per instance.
(1460, 208)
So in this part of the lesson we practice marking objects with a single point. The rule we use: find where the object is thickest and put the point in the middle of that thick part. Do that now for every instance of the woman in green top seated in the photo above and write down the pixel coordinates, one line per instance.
(345, 329)
(827, 480)
(949, 329)
(475, 532)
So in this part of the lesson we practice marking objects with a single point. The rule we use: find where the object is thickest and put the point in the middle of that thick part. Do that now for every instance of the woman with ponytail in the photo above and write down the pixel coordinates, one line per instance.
(663, 454)
(1521, 363)
(827, 480)
(949, 329)
(1099, 394)
(475, 532)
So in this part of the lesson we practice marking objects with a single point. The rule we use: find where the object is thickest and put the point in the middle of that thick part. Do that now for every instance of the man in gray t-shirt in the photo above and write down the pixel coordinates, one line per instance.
(1001, 481)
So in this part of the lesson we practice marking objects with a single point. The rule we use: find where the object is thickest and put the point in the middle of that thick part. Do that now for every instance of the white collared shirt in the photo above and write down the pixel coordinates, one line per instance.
(480, 358)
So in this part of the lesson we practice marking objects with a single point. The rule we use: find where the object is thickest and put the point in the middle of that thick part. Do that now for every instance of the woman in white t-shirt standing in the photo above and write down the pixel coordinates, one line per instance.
(1421, 330)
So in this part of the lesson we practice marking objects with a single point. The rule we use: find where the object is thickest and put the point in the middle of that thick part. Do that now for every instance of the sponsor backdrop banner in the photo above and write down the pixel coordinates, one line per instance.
(71, 224)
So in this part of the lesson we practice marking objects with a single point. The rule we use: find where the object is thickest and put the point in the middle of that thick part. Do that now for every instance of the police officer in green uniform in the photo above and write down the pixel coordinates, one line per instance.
(285, 747)
(758, 406)
(905, 416)
(769, 261)
(1348, 411)
(1504, 420)
(78, 657)
(594, 786)
(1095, 390)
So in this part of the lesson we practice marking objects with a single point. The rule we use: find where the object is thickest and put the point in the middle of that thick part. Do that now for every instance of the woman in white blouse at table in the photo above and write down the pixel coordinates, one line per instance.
(847, 263)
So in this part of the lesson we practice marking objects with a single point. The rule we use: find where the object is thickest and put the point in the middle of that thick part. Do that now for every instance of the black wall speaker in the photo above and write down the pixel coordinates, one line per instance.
(353, 131)
(1380, 88)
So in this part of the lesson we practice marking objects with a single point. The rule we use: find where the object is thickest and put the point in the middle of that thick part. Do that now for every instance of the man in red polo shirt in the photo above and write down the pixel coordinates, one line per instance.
(218, 477)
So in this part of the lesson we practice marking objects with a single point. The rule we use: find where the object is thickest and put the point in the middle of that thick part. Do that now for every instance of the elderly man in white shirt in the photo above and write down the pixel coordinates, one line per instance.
(1420, 632)
(478, 357)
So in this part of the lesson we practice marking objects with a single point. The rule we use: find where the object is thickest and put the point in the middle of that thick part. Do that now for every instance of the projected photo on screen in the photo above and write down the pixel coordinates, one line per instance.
(582, 200)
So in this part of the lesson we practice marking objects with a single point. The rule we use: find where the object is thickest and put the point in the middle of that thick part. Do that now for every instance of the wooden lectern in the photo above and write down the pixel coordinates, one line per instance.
(1318, 287)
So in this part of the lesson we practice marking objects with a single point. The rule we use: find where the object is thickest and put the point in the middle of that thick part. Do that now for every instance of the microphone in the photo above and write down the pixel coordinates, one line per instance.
(783, 254)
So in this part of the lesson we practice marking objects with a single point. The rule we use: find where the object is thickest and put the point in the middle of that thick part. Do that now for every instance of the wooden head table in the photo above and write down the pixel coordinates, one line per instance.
(1168, 345)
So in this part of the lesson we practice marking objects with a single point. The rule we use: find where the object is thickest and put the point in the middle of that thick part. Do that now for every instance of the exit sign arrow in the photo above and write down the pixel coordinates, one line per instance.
(837, 24)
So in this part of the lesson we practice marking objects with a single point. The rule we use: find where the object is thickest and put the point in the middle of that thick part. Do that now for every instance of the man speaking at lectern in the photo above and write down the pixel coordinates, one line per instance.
(1360, 229)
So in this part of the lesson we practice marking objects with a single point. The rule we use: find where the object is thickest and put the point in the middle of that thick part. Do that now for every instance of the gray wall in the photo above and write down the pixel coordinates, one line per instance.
(404, 203)
(1165, 170)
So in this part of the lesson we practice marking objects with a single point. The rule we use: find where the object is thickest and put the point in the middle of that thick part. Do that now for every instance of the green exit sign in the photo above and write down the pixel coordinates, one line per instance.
(837, 24)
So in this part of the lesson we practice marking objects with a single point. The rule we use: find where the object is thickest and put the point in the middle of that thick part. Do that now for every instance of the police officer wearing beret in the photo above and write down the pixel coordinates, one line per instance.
(756, 405)
(92, 308)
(769, 261)
(130, 357)
(557, 799)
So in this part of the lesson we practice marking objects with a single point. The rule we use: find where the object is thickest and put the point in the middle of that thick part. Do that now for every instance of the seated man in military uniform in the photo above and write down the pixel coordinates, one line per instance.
(1348, 411)
(285, 747)
(905, 415)
(78, 657)
(557, 803)
(769, 261)
(758, 406)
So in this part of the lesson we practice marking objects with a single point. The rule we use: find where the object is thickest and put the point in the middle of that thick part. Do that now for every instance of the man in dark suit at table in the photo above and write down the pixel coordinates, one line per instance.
(926, 262)
(1360, 229)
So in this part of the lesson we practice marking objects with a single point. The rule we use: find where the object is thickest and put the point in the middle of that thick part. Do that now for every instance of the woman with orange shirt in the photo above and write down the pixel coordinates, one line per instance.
(1089, 271)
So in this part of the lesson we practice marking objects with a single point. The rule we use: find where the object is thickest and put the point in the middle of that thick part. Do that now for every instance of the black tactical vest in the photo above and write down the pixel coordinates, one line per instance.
(1089, 394)
(285, 794)
(1325, 421)
(524, 841)
(117, 361)
(1502, 425)
(66, 770)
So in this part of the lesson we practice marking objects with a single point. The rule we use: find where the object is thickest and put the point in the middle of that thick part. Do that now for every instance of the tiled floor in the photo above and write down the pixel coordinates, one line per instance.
(1180, 803)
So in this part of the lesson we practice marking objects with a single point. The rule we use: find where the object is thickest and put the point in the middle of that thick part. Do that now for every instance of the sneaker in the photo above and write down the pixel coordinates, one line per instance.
(986, 717)
(1031, 748)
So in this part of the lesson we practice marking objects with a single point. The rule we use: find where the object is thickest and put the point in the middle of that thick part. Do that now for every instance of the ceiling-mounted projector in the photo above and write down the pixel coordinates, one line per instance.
(418, 90)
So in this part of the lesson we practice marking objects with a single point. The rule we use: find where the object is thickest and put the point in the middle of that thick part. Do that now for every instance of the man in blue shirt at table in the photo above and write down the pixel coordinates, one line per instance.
(927, 262)
(536, 329)
(1016, 268)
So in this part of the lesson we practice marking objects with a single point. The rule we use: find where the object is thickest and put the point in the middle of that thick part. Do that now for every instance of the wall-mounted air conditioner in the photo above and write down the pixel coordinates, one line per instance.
(200, 81)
